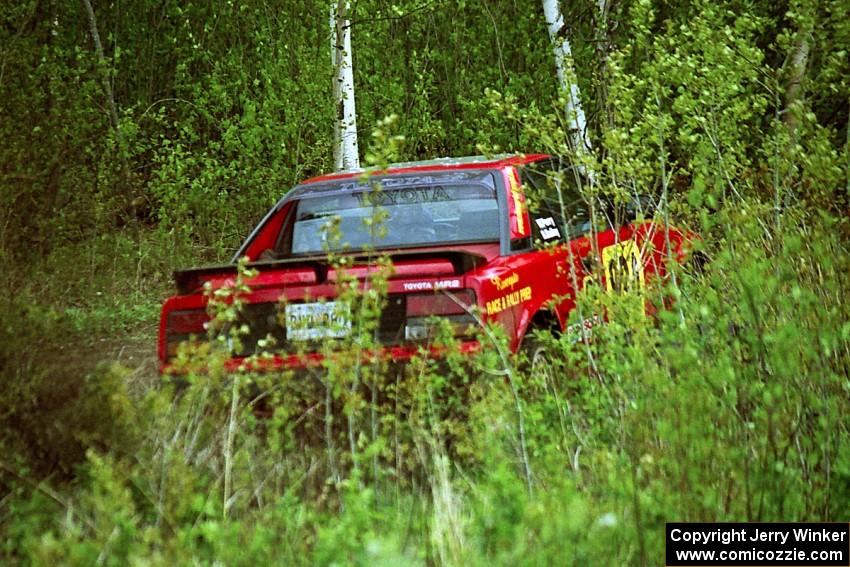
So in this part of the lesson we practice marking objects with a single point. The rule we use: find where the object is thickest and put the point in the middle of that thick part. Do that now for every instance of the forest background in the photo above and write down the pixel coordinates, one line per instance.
(163, 152)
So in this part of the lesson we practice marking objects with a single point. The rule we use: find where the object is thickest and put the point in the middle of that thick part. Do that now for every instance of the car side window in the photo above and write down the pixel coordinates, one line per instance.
(547, 223)
(558, 211)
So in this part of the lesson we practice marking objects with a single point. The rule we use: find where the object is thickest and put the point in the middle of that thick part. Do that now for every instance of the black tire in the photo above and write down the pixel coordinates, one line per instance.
(536, 354)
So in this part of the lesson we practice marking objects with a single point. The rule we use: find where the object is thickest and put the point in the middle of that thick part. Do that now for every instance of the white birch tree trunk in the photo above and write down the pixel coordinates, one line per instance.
(567, 76)
(346, 154)
(797, 66)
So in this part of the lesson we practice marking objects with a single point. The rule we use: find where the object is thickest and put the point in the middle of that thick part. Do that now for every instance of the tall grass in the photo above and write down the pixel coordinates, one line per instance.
(729, 407)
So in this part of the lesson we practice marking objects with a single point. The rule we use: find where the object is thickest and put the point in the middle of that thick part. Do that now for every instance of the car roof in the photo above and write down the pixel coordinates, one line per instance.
(471, 163)
(439, 164)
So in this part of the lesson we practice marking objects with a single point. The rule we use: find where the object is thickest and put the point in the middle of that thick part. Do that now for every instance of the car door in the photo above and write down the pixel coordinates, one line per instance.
(560, 223)
(594, 243)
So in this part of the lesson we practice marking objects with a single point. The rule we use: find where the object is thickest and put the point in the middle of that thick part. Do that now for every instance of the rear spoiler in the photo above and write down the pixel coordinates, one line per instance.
(192, 279)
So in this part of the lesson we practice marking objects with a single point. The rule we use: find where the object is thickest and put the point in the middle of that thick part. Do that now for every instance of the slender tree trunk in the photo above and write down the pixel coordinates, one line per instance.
(602, 39)
(107, 87)
(346, 154)
(101, 60)
(567, 76)
(795, 73)
(797, 65)
(228, 448)
(847, 154)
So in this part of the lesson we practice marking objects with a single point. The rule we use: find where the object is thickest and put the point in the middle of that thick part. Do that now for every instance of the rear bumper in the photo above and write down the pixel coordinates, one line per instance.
(277, 362)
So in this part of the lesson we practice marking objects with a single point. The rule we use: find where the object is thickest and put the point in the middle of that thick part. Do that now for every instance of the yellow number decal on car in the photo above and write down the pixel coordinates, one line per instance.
(623, 266)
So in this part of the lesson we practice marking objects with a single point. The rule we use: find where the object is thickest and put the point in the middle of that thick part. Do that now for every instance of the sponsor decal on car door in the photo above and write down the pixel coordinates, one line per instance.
(623, 267)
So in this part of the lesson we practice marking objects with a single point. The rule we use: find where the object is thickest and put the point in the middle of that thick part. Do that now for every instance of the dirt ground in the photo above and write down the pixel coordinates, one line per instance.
(135, 351)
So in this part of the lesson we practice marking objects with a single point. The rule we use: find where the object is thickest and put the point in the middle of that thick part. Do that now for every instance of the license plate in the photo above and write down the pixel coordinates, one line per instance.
(312, 321)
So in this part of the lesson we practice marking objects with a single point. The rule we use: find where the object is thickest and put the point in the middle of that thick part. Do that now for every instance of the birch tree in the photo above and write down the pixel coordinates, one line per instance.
(796, 71)
(346, 155)
(566, 76)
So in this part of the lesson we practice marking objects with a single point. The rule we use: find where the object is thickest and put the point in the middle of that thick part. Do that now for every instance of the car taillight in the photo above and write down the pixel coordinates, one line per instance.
(440, 303)
(188, 321)
(426, 310)
(182, 326)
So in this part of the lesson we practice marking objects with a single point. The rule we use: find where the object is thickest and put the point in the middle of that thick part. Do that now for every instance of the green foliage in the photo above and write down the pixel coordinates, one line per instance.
(728, 404)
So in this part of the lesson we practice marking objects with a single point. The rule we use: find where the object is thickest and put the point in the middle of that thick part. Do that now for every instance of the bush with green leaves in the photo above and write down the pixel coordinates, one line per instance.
(727, 404)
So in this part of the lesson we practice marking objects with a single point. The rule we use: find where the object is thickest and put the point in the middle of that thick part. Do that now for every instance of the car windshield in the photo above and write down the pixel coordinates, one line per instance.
(396, 212)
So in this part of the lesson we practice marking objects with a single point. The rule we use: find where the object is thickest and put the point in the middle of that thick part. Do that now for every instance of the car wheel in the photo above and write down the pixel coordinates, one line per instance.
(537, 355)
(540, 365)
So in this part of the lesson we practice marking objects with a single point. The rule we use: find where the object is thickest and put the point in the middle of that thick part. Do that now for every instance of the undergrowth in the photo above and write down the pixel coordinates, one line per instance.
(727, 405)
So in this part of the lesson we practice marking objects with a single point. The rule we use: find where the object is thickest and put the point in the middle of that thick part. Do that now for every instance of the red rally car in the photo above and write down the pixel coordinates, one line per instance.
(507, 240)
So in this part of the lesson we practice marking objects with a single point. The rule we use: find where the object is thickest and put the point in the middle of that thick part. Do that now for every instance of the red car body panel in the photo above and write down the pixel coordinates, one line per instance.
(510, 287)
